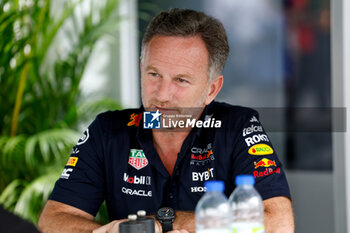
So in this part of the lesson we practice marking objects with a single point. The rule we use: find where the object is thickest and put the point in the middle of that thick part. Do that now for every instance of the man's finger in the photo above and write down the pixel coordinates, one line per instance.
(115, 227)
(157, 227)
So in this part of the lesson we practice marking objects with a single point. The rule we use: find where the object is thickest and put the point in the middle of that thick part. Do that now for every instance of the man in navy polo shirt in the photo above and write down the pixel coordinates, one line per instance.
(157, 156)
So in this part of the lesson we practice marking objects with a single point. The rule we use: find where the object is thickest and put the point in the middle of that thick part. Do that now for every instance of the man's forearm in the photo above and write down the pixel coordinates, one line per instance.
(278, 215)
(59, 217)
(184, 220)
(63, 222)
(278, 223)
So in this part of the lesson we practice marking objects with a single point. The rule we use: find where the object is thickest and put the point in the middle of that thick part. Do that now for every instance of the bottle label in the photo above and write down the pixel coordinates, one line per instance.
(248, 229)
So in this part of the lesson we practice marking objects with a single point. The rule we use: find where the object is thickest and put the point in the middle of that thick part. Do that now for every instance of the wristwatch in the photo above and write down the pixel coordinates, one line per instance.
(166, 217)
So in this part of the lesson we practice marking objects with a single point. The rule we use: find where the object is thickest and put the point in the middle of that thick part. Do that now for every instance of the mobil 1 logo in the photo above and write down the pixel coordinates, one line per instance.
(143, 180)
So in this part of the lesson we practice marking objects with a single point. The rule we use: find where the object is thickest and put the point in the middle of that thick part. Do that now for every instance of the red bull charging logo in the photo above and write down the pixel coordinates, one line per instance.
(265, 163)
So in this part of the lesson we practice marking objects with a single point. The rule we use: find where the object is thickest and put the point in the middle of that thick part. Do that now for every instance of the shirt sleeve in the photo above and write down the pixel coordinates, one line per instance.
(255, 155)
(82, 181)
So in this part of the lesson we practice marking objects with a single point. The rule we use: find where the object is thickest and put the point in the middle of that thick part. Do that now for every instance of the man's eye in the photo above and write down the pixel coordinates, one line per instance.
(181, 80)
(154, 74)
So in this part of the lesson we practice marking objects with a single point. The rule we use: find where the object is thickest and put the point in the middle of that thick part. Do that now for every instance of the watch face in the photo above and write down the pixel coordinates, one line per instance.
(166, 213)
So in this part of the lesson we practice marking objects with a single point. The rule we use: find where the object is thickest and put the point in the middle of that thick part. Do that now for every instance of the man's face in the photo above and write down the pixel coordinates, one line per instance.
(174, 73)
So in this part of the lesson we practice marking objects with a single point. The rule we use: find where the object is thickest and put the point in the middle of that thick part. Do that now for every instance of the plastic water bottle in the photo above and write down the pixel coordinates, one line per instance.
(213, 213)
(247, 207)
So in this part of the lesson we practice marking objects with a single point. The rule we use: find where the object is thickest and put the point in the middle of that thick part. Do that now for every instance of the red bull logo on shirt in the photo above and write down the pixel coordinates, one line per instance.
(137, 159)
(260, 149)
(265, 163)
(202, 157)
(268, 171)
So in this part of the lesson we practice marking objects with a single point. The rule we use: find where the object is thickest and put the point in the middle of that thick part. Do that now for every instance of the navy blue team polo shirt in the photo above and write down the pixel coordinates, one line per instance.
(115, 160)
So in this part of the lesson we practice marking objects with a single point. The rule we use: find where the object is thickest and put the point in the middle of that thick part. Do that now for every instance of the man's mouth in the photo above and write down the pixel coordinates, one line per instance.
(166, 110)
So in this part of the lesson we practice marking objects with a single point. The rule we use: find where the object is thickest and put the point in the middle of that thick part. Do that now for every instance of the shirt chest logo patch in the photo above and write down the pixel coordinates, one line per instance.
(201, 156)
(84, 137)
(137, 159)
(145, 180)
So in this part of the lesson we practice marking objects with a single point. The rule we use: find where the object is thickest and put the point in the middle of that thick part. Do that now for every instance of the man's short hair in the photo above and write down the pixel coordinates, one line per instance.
(186, 23)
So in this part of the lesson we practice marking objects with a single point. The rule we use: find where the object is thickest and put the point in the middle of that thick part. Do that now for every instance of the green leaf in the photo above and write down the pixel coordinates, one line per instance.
(9, 196)
(35, 195)
(13, 150)
(51, 143)
(52, 109)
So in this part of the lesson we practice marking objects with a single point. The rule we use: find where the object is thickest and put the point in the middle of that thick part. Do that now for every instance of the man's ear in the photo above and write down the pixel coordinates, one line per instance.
(214, 88)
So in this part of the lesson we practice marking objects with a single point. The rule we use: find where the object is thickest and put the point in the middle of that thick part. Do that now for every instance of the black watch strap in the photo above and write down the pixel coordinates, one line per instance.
(167, 226)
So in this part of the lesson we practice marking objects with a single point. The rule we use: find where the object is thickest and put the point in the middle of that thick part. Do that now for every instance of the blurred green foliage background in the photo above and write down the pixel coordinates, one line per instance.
(40, 101)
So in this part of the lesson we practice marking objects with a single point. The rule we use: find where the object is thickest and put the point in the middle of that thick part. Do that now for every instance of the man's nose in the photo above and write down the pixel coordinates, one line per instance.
(165, 91)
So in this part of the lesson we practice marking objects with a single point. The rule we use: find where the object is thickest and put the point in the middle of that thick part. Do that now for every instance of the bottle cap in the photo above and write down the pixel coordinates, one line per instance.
(214, 186)
(141, 213)
(132, 217)
(245, 180)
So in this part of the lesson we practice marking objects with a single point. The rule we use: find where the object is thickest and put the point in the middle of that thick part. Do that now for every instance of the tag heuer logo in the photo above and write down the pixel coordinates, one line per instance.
(137, 159)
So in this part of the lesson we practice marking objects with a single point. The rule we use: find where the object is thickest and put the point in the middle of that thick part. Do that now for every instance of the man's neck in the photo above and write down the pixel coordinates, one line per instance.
(168, 145)
(169, 141)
